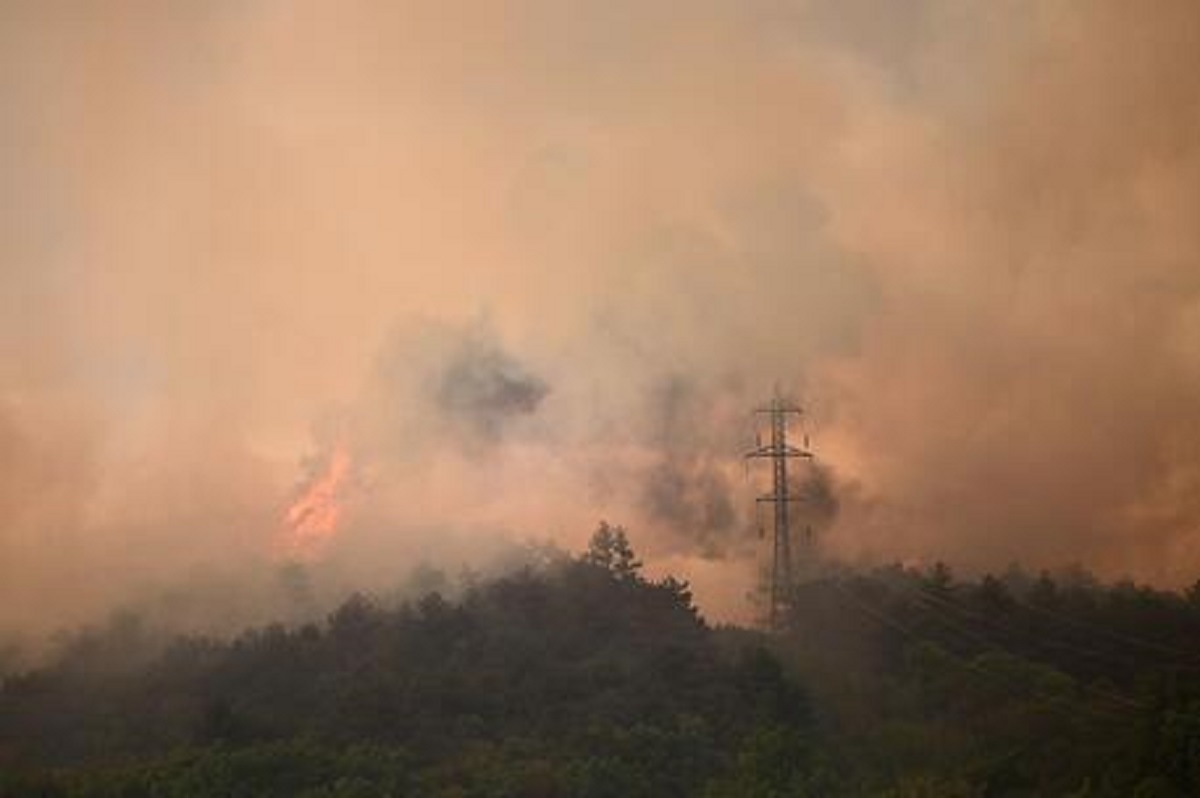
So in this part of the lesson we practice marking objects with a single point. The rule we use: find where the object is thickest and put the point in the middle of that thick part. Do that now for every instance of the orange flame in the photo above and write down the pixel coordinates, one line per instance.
(311, 521)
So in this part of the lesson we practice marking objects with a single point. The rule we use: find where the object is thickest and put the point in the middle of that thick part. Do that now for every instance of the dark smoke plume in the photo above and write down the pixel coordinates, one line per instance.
(692, 497)
(484, 386)
(817, 492)
(687, 487)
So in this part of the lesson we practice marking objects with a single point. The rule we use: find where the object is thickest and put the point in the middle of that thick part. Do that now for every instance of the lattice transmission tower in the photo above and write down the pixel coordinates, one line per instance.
(779, 452)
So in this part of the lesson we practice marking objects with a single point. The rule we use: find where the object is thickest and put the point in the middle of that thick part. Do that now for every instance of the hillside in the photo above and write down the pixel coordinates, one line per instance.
(583, 678)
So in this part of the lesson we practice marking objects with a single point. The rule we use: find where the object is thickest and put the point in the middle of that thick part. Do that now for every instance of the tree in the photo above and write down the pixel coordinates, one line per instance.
(1193, 594)
(1044, 592)
(679, 590)
(939, 579)
(609, 549)
(993, 596)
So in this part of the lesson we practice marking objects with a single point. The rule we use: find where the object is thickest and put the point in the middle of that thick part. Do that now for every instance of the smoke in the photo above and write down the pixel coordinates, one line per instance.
(483, 387)
(686, 488)
(817, 497)
(1029, 392)
(533, 265)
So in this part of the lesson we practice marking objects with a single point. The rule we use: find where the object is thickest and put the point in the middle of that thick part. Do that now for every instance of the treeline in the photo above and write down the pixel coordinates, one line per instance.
(581, 677)
(577, 678)
(1012, 685)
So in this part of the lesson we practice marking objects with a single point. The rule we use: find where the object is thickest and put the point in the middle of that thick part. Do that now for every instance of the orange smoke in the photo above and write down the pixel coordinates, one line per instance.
(312, 520)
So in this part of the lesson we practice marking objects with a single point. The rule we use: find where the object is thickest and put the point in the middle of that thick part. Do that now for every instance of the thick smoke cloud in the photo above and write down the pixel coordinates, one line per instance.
(456, 385)
(686, 488)
(1029, 393)
(484, 386)
(818, 496)
(235, 235)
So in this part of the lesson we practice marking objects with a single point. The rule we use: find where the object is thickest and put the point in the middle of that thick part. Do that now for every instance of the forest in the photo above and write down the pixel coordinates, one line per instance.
(580, 676)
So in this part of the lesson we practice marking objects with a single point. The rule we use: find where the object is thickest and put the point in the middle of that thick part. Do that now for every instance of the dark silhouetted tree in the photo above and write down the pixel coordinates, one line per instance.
(609, 549)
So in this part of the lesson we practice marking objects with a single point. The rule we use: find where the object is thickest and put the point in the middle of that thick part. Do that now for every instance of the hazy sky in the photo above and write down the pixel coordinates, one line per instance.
(531, 264)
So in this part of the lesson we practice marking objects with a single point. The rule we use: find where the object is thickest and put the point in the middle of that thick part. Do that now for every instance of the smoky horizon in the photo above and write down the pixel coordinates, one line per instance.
(363, 288)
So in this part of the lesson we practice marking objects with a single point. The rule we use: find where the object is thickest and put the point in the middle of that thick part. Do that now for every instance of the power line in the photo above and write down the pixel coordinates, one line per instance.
(1162, 648)
(1130, 704)
(992, 644)
(975, 667)
(926, 595)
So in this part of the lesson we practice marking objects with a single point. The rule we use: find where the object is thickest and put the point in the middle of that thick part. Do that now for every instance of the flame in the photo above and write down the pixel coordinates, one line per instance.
(312, 520)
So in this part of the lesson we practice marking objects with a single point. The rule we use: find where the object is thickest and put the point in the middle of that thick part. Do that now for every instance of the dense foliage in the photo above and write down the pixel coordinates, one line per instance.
(1011, 686)
(583, 678)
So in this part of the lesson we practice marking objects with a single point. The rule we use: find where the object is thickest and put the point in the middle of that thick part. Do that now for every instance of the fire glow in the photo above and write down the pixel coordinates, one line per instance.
(312, 520)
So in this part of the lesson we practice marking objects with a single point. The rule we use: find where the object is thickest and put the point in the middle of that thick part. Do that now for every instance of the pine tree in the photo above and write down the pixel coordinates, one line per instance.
(609, 549)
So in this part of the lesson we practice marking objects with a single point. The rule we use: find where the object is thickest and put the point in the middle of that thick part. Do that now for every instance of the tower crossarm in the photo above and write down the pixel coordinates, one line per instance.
(778, 451)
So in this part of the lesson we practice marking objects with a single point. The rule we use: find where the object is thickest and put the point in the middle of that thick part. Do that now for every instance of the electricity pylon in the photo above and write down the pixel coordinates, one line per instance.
(779, 451)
